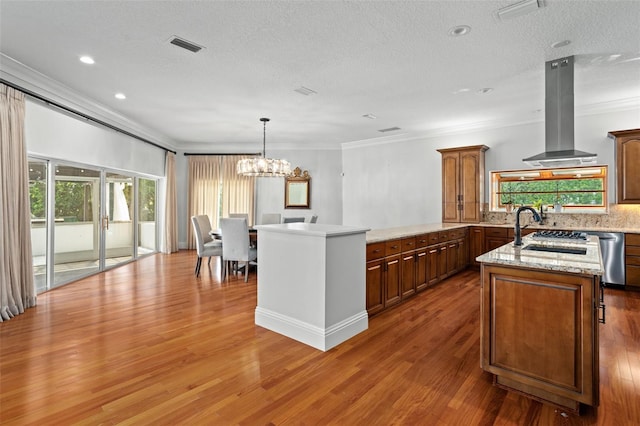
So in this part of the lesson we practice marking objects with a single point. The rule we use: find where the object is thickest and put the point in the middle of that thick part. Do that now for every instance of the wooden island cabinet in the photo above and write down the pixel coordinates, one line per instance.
(539, 323)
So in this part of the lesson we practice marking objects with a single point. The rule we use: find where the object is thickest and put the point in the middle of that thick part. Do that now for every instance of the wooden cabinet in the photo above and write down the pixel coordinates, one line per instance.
(463, 183)
(398, 269)
(632, 260)
(476, 244)
(495, 237)
(383, 278)
(422, 262)
(375, 278)
(408, 283)
(627, 170)
(539, 333)
(393, 271)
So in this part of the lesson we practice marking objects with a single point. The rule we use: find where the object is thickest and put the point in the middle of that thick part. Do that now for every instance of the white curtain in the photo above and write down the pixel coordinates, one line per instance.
(237, 191)
(204, 191)
(17, 289)
(171, 206)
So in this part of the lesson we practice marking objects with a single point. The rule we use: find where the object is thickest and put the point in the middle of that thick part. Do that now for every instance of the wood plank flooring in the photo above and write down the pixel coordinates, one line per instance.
(148, 343)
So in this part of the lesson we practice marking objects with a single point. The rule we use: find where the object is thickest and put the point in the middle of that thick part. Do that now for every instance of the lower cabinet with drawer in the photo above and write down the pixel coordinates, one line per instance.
(383, 275)
(398, 269)
(632, 260)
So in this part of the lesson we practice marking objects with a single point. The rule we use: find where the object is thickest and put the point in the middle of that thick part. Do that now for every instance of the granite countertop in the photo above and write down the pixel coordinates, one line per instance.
(509, 255)
(385, 234)
(534, 225)
(377, 235)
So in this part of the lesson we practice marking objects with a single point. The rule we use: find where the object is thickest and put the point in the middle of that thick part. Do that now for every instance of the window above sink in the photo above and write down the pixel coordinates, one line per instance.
(568, 189)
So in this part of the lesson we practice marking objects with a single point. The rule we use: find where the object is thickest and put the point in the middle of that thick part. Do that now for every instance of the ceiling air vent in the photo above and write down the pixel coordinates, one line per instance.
(180, 42)
(390, 129)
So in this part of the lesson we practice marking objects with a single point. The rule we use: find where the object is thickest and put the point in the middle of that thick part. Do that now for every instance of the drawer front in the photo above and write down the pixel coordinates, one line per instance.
(375, 250)
(408, 244)
(422, 240)
(632, 239)
(632, 250)
(434, 238)
(633, 276)
(457, 233)
(632, 260)
(496, 232)
(443, 236)
(392, 247)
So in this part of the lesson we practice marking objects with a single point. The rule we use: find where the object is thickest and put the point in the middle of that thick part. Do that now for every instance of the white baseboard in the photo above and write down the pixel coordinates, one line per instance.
(317, 337)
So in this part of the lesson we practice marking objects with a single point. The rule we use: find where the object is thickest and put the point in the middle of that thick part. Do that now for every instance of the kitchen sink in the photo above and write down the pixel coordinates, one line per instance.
(556, 249)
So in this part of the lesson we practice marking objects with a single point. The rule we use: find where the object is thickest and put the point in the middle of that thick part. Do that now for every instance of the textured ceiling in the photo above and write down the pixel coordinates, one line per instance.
(392, 59)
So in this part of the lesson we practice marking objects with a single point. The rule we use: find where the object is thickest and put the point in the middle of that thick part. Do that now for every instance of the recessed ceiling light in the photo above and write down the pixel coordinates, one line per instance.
(87, 60)
(560, 43)
(370, 116)
(460, 30)
(484, 90)
(120, 96)
(463, 90)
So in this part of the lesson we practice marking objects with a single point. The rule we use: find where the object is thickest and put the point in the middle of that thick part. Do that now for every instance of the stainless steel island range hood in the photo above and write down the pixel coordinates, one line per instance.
(559, 113)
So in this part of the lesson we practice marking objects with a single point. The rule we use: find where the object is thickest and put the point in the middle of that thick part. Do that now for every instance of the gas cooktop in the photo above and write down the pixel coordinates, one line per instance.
(573, 236)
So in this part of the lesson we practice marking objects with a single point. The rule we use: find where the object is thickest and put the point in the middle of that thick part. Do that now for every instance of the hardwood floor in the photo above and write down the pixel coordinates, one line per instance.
(148, 343)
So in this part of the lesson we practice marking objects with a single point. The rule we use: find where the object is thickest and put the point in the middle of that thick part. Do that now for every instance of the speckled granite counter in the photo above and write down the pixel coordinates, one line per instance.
(377, 235)
(509, 255)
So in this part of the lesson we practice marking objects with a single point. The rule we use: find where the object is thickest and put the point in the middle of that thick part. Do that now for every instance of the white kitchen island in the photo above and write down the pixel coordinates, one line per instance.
(311, 282)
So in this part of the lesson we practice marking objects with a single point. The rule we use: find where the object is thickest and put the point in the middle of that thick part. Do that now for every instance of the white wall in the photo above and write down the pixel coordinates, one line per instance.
(398, 184)
(325, 168)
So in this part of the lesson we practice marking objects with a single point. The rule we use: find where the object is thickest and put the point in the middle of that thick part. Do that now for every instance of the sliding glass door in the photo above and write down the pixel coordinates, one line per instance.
(76, 223)
(38, 197)
(146, 216)
(118, 219)
(85, 220)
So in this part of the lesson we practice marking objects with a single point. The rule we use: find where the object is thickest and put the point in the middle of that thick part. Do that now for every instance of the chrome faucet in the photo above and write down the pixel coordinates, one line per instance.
(518, 232)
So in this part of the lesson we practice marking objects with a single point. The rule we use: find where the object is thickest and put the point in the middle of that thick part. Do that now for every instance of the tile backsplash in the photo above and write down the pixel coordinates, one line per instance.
(619, 216)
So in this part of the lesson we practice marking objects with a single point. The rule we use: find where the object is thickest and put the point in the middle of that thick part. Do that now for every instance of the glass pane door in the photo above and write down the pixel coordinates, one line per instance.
(118, 219)
(38, 202)
(146, 216)
(76, 233)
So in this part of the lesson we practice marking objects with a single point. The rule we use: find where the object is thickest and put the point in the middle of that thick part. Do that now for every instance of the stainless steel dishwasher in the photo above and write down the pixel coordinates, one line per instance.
(612, 249)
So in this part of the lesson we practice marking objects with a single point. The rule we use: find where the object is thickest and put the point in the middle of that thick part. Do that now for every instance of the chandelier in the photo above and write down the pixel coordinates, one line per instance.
(263, 166)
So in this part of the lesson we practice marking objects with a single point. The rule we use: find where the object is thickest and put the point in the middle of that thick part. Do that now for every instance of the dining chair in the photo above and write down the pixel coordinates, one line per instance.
(235, 247)
(270, 218)
(313, 219)
(292, 219)
(240, 215)
(205, 245)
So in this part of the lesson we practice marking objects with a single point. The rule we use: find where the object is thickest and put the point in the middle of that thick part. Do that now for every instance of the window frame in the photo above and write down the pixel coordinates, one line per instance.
(550, 174)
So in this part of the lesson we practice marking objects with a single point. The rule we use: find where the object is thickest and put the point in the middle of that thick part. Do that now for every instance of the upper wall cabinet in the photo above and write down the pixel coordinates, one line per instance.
(463, 183)
(627, 161)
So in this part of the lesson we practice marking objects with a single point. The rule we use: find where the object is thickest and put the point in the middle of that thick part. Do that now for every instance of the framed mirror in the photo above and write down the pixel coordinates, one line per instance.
(297, 190)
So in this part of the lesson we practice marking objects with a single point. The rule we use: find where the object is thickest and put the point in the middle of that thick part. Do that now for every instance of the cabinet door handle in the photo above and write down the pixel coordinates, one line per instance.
(392, 262)
(422, 254)
(602, 319)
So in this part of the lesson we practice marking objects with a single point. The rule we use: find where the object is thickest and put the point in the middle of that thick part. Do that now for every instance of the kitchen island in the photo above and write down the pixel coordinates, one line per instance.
(539, 319)
(311, 282)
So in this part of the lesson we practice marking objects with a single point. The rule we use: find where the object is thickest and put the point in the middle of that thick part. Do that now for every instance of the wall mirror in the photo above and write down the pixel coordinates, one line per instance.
(297, 190)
